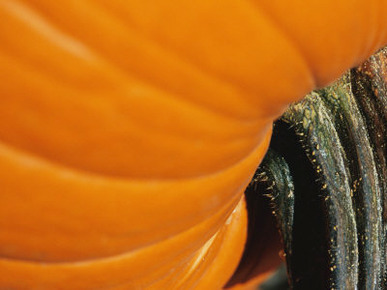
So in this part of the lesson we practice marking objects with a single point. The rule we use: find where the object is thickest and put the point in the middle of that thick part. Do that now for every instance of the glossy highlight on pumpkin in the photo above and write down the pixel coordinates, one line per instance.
(130, 129)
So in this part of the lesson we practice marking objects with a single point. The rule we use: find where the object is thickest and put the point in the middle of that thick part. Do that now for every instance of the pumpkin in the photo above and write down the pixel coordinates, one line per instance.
(130, 129)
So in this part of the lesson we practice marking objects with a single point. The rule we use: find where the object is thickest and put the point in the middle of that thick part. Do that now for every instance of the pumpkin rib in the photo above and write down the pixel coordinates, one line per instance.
(284, 35)
(374, 35)
(213, 161)
(70, 44)
(379, 36)
(74, 214)
(227, 260)
(63, 38)
(262, 107)
(204, 267)
(181, 56)
(294, 51)
(65, 138)
(212, 225)
(66, 164)
(45, 80)
(182, 275)
(103, 273)
(78, 105)
(26, 155)
(216, 256)
(347, 50)
(222, 156)
(74, 32)
(185, 59)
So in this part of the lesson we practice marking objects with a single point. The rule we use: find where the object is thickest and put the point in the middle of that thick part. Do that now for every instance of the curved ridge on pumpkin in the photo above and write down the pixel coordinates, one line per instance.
(81, 196)
(144, 269)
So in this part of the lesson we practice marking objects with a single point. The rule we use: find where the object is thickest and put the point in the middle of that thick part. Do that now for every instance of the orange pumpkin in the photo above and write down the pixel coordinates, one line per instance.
(129, 129)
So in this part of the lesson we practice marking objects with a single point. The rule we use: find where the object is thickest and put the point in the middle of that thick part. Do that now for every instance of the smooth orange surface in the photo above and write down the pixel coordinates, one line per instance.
(129, 129)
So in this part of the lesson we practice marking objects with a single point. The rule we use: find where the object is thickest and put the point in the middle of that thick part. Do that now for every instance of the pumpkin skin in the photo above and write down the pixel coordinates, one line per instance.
(129, 129)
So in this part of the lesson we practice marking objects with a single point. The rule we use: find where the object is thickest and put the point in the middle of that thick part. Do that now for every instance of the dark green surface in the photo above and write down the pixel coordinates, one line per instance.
(325, 175)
